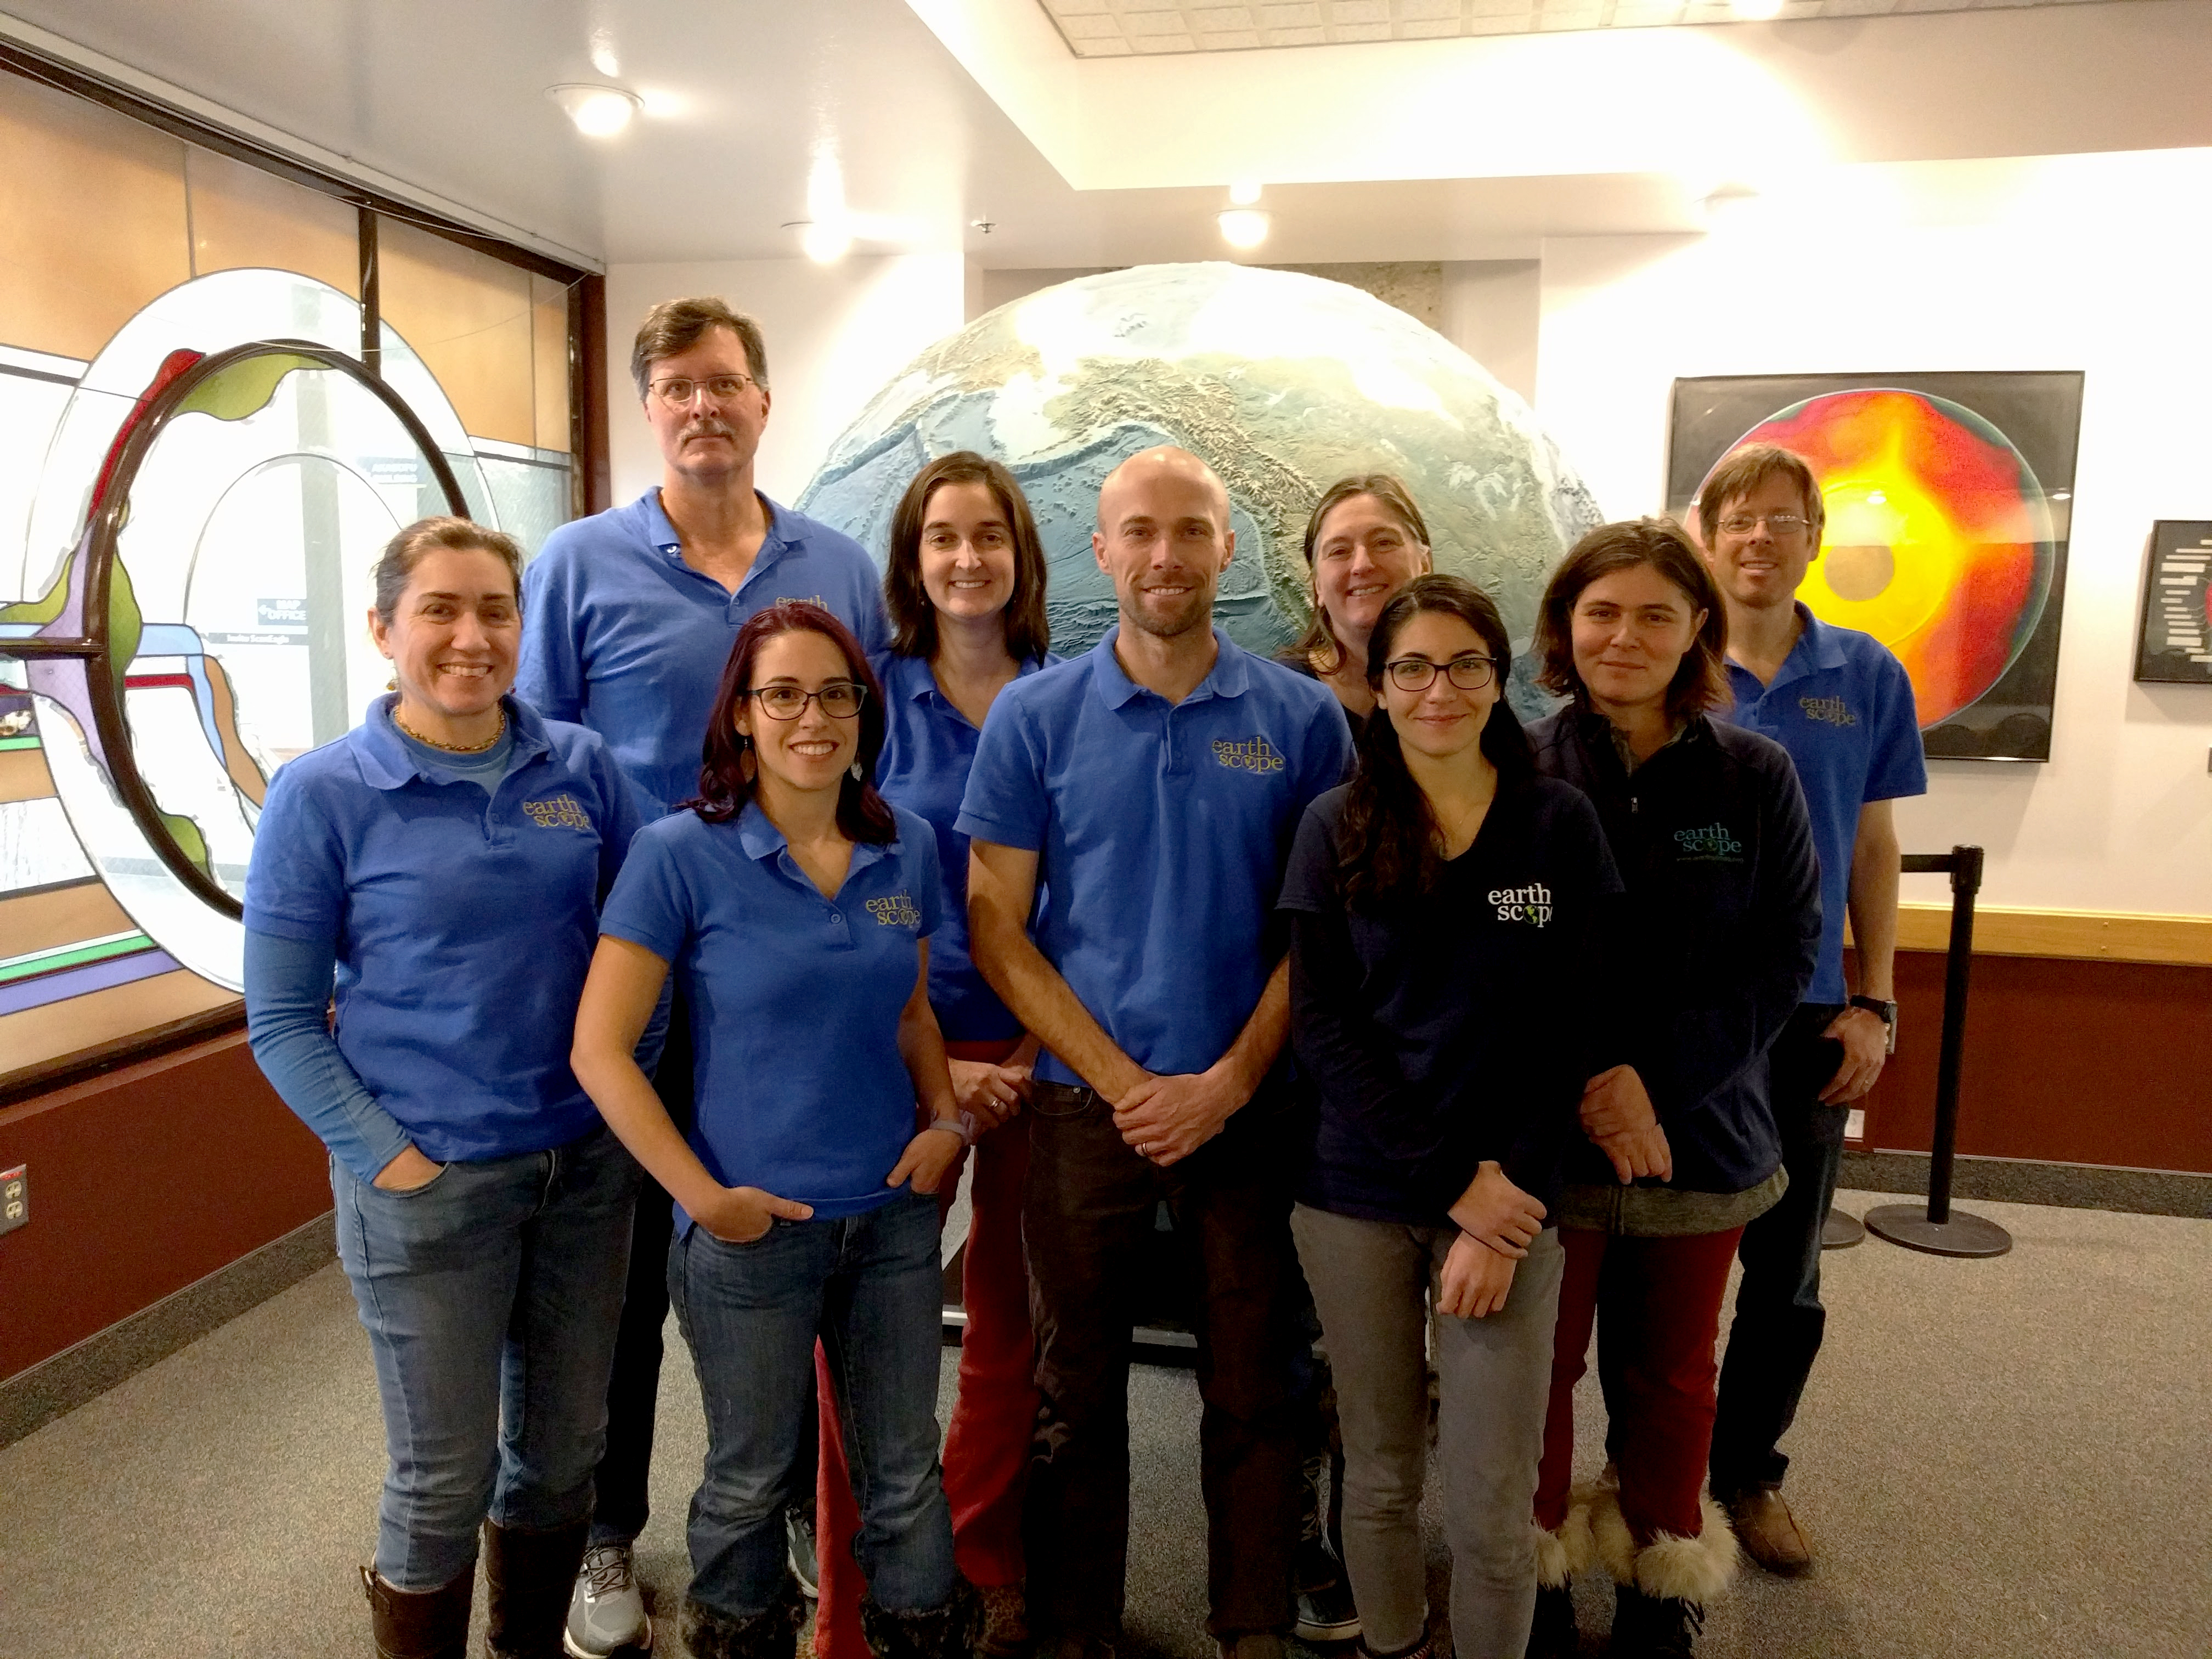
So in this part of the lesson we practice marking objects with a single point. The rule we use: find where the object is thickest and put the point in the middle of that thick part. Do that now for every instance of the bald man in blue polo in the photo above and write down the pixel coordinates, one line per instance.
(1152, 786)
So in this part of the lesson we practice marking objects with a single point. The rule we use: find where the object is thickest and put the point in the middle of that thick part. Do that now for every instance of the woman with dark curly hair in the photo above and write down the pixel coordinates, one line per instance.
(1441, 904)
(795, 905)
(1709, 827)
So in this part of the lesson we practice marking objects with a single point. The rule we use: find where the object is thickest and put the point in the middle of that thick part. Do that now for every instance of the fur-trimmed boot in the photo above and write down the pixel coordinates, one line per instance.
(528, 1579)
(945, 1632)
(1661, 1589)
(1560, 1557)
(420, 1624)
(771, 1633)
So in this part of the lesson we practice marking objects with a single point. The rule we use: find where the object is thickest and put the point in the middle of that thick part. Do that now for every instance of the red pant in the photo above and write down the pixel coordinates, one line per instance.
(987, 1448)
(1656, 1304)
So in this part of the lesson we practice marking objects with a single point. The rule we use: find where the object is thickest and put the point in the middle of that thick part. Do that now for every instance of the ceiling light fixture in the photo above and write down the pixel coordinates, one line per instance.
(1243, 227)
(598, 111)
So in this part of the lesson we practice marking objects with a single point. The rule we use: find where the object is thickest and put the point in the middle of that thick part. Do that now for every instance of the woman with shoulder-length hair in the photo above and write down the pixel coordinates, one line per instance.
(1720, 922)
(445, 862)
(1439, 903)
(795, 905)
(965, 583)
(1365, 539)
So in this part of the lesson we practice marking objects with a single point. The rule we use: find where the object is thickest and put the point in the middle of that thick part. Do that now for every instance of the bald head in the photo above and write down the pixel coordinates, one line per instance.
(1144, 471)
(1164, 537)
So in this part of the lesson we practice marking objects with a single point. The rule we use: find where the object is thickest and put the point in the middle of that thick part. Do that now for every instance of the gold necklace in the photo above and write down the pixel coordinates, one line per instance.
(452, 748)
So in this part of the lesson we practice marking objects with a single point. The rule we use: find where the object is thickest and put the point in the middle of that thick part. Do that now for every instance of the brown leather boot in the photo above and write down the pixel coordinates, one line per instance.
(420, 1624)
(528, 1576)
(1770, 1534)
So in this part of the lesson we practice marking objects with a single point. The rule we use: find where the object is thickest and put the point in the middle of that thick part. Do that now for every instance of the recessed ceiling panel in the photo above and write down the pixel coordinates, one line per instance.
(1123, 29)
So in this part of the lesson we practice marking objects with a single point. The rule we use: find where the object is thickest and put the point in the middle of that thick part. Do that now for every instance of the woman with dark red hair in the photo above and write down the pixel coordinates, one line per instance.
(795, 905)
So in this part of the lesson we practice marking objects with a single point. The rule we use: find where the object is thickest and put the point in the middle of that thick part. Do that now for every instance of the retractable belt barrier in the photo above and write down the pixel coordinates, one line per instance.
(1938, 1229)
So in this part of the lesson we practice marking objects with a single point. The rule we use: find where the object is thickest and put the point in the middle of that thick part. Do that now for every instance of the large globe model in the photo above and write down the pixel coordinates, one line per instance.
(1283, 382)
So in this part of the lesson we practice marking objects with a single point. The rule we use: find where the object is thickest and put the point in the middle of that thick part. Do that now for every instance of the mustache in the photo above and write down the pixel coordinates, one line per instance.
(712, 427)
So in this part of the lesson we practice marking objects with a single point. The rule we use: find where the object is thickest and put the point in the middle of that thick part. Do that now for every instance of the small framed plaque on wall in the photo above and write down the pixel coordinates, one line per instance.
(2174, 643)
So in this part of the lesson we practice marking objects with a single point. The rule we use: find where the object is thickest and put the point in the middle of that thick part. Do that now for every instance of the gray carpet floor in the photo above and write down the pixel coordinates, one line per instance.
(2008, 1457)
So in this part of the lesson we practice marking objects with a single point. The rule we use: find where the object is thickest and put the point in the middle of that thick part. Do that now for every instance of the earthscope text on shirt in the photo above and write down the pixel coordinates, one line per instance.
(464, 923)
(1842, 706)
(795, 998)
(928, 746)
(1444, 1027)
(1161, 831)
(620, 635)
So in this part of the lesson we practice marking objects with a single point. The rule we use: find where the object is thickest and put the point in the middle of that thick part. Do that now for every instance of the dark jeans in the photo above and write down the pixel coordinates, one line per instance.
(634, 1389)
(1087, 1212)
(1779, 1320)
(872, 1287)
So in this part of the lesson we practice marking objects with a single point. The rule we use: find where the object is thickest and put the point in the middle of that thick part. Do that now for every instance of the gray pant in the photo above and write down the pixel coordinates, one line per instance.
(1371, 1282)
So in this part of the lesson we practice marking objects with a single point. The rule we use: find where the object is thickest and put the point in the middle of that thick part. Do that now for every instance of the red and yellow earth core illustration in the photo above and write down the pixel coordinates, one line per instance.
(1939, 539)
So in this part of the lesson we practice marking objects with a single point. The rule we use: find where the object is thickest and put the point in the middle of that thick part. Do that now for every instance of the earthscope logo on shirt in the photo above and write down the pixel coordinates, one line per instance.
(1830, 710)
(1255, 755)
(896, 911)
(1712, 844)
(559, 812)
(1531, 904)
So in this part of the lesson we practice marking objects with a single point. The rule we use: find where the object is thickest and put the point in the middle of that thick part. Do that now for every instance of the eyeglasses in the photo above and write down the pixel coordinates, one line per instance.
(1780, 525)
(1468, 673)
(841, 700)
(679, 393)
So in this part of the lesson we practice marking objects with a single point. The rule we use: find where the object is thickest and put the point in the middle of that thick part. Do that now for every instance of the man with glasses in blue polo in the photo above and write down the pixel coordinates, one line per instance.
(1152, 787)
(1841, 704)
(626, 621)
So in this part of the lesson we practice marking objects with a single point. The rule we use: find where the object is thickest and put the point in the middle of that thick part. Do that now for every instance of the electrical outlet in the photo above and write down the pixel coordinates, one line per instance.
(15, 1197)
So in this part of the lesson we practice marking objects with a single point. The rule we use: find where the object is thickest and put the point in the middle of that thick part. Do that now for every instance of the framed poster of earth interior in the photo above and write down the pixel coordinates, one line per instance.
(2174, 643)
(1948, 499)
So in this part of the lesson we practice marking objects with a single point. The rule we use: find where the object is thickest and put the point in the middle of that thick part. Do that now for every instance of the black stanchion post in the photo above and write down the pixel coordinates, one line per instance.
(1937, 1230)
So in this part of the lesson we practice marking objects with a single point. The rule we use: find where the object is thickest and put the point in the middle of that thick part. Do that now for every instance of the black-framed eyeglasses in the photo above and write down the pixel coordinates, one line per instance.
(1469, 673)
(678, 392)
(841, 700)
(1780, 525)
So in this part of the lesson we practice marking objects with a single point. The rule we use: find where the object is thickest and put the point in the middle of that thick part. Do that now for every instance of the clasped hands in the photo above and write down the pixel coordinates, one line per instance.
(1618, 1117)
(1497, 1223)
(1166, 1119)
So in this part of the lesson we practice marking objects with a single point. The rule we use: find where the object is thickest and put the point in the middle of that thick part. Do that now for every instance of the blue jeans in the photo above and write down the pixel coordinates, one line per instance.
(871, 1285)
(490, 1294)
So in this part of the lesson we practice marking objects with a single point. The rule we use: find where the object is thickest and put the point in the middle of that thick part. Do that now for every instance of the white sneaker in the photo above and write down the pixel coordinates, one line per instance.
(606, 1614)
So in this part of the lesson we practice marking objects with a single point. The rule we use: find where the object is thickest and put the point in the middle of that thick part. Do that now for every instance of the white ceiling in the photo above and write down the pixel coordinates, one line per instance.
(942, 112)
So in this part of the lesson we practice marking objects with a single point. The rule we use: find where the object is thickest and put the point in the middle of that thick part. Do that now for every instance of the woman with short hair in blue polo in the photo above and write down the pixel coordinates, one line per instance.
(794, 905)
(1439, 903)
(445, 862)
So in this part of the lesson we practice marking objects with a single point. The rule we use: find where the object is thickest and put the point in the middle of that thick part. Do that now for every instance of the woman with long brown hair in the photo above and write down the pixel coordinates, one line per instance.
(795, 904)
(964, 584)
(1439, 903)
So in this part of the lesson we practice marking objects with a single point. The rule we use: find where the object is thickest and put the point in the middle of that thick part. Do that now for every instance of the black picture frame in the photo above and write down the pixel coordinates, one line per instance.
(2177, 592)
(2038, 412)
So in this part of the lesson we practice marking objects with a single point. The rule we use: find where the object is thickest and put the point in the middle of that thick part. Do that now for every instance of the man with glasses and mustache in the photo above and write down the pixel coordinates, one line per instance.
(1841, 704)
(1152, 787)
(626, 621)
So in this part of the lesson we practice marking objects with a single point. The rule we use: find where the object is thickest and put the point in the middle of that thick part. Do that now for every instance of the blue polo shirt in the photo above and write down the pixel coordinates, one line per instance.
(464, 923)
(795, 999)
(1843, 707)
(928, 746)
(1161, 830)
(620, 635)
